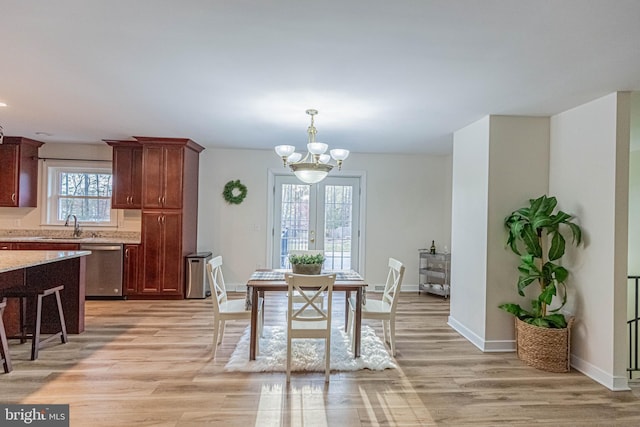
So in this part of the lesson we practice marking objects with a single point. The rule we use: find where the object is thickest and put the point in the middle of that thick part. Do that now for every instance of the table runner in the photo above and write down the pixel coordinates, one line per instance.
(279, 275)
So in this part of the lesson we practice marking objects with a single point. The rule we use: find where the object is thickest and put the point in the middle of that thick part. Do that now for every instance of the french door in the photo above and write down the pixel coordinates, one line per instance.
(323, 216)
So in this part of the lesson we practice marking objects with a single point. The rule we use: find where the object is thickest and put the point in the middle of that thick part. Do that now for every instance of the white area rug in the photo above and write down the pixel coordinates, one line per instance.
(308, 354)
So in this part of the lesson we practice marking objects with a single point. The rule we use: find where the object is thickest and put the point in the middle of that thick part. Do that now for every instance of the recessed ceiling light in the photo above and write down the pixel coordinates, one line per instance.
(3, 104)
(43, 134)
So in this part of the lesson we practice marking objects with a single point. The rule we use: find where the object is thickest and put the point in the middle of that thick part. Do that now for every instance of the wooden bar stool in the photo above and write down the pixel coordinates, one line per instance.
(4, 346)
(34, 295)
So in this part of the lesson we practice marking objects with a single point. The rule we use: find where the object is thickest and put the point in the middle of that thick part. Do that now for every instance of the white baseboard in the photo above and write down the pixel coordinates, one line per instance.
(495, 346)
(612, 382)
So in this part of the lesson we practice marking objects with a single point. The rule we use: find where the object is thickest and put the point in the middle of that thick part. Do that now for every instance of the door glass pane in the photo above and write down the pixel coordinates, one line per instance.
(338, 223)
(294, 220)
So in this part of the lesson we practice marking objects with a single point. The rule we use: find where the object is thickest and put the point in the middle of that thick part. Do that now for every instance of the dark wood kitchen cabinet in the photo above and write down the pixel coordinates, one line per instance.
(19, 172)
(131, 269)
(163, 175)
(45, 246)
(163, 260)
(127, 175)
(169, 203)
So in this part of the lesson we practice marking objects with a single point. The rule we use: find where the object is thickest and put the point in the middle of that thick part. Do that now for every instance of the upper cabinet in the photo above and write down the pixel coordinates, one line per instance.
(127, 175)
(19, 172)
(162, 180)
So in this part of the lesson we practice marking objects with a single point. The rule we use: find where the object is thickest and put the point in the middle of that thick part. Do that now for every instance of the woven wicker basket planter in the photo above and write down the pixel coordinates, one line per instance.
(306, 268)
(544, 348)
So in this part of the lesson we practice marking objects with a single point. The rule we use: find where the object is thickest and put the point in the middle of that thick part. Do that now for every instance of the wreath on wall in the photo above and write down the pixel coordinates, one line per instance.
(234, 192)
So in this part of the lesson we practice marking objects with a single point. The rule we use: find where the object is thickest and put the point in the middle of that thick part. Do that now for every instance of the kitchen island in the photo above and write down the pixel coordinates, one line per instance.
(22, 268)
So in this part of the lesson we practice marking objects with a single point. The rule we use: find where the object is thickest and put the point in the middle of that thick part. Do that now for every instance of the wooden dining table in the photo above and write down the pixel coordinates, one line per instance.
(262, 281)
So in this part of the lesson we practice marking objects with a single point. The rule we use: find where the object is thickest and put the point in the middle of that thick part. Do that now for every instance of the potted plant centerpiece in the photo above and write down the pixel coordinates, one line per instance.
(534, 233)
(306, 263)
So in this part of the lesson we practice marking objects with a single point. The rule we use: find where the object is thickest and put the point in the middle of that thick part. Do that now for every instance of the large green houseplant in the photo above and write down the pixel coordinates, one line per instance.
(535, 234)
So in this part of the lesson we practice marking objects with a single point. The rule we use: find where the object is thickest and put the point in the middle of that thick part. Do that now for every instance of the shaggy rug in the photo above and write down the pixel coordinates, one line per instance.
(308, 354)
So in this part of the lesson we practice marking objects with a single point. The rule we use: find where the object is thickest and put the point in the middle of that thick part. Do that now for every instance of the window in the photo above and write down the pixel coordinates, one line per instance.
(80, 188)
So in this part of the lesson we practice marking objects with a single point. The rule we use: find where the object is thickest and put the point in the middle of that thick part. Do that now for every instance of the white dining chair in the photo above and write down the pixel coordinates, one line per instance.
(309, 319)
(225, 309)
(385, 308)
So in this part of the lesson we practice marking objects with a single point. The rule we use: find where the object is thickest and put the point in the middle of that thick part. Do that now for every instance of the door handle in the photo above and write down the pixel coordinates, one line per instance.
(13, 197)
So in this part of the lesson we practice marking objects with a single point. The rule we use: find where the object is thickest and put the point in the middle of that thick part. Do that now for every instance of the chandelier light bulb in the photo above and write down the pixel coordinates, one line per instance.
(317, 147)
(294, 158)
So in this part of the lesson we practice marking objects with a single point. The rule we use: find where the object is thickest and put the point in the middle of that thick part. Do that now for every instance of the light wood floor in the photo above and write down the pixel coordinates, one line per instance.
(147, 363)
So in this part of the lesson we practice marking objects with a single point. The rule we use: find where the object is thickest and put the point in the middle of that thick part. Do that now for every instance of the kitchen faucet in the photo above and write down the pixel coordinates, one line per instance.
(76, 226)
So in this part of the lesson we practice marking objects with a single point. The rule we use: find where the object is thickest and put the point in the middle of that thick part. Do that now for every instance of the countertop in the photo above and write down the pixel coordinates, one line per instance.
(53, 236)
(111, 240)
(15, 260)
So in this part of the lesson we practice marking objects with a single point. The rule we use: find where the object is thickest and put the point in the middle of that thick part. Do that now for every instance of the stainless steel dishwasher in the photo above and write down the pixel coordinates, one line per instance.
(103, 270)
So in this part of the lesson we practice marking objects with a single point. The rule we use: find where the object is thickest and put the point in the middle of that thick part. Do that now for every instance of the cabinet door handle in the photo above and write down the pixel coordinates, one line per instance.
(163, 219)
(163, 199)
(13, 197)
(126, 253)
(159, 219)
(160, 200)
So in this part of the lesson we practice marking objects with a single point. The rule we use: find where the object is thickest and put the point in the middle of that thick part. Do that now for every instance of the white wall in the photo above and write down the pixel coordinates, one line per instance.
(499, 163)
(634, 213)
(634, 187)
(633, 267)
(407, 205)
(518, 171)
(470, 186)
(589, 175)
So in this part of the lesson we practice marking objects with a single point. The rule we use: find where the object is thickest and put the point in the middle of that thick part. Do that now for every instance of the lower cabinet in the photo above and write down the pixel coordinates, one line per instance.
(162, 259)
(45, 246)
(131, 273)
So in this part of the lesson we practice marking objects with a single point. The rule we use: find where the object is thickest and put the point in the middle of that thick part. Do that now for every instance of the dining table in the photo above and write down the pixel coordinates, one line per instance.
(348, 281)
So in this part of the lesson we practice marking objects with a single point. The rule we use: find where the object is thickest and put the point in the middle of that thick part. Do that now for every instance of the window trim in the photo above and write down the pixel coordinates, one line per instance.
(50, 168)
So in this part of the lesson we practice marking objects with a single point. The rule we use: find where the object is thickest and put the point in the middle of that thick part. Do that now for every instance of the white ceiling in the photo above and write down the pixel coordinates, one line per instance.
(386, 76)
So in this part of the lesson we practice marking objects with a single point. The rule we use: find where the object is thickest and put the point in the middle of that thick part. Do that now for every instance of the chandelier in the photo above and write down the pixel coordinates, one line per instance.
(314, 166)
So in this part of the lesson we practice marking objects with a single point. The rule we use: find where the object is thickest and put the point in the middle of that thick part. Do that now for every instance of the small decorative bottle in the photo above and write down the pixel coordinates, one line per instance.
(433, 247)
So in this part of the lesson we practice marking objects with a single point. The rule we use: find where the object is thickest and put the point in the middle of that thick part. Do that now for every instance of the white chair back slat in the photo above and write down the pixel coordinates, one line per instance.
(309, 318)
(216, 283)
